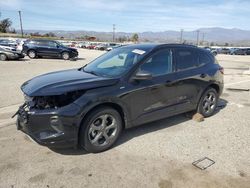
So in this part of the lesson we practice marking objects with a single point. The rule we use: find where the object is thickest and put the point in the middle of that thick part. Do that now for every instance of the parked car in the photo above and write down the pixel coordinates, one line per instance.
(6, 54)
(8, 48)
(8, 42)
(91, 46)
(212, 50)
(126, 87)
(101, 47)
(247, 51)
(113, 46)
(238, 51)
(224, 51)
(81, 45)
(40, 47)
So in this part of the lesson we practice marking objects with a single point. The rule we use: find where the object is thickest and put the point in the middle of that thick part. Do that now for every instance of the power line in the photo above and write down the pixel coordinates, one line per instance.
(21, 24)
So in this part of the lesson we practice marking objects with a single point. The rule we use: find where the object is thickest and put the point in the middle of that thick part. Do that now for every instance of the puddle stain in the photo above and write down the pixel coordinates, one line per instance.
(191, 177)
(9, 166)
(37, 178)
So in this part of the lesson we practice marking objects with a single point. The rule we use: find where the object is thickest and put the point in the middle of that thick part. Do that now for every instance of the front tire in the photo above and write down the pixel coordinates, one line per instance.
(100, 130)
(32, 54)
(65, 55)
(3, 57)
(208, 102)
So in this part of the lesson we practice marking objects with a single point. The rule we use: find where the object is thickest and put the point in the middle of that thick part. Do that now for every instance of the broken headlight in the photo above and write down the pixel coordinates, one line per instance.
(55, 101)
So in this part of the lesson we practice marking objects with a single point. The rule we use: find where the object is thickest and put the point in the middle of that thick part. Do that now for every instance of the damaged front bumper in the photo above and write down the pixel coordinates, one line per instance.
(50, 127)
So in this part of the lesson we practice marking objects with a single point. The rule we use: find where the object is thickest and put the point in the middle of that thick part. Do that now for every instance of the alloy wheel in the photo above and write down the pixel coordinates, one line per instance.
(65, 56)
(209, 103)
(102, 130)
(3, 57)
(32, 54)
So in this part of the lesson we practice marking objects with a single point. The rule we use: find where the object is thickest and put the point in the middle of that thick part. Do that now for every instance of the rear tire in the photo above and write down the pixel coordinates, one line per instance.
(3, 57)
(208, 102)
(65, 55)
(100, 129)
(32, 54)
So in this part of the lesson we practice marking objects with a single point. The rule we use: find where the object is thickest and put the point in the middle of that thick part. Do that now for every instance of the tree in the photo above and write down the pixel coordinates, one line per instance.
(50, 34)
(122, 39)
(5, 25)
(36, 34)
(135, 37)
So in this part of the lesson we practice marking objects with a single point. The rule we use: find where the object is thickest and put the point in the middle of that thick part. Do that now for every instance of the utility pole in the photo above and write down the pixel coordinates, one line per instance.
(21, 25)
(181, 38)
(113, 32)
(198, 35)
(203, 38)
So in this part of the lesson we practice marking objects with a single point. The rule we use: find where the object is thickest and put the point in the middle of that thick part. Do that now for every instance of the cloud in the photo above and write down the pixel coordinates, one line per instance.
(155, 15)
(10, 4)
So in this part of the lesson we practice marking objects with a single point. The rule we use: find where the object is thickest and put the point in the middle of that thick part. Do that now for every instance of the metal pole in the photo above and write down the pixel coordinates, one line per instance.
(113, 32)
(198, 34)
(181, 38)
(21, 25)
(203, 38)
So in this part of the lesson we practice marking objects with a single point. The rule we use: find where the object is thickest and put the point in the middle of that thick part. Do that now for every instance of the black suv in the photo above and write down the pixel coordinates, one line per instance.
(123, 88)
(40, 47)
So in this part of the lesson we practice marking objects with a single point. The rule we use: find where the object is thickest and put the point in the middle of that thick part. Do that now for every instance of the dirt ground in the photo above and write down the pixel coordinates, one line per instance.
(158, 154)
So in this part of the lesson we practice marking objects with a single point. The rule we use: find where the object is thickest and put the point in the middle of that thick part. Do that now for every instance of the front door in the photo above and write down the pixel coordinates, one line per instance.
(156, 98)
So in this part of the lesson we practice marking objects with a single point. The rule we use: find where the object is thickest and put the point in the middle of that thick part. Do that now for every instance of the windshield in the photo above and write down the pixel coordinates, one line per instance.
(59, 43)
(116, 62)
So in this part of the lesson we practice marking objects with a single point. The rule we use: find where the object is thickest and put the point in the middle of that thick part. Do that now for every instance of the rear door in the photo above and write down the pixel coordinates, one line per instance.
(42, 47)
(48, 48)
(190, 77)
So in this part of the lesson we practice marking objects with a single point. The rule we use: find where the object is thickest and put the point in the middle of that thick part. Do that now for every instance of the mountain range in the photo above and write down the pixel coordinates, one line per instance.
(216, 35)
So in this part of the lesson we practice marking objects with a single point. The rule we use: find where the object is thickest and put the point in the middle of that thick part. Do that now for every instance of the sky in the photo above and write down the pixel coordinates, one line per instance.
(128, 15)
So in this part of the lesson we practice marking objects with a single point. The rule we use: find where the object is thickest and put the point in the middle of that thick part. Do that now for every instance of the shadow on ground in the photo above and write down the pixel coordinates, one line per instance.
(131, 133)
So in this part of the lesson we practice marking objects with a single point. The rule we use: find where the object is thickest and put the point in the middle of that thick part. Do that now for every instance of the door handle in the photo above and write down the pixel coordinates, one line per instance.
(203, 75)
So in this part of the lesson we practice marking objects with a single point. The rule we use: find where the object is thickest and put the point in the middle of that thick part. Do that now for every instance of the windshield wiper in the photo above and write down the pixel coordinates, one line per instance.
(91, 72)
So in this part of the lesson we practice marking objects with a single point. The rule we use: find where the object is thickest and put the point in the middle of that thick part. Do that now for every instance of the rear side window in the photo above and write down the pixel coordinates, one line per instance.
(186, 59)
(203, 59)
(43, 43)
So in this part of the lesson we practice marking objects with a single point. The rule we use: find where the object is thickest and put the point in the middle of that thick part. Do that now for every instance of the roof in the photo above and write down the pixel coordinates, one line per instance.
(150, 46)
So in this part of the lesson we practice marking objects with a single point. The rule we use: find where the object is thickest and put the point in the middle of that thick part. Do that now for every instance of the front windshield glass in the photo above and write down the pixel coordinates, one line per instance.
(59, 43)
(116, 62)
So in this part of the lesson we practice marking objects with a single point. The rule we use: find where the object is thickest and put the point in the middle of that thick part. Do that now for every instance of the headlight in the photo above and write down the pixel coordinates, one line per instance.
(29, 100)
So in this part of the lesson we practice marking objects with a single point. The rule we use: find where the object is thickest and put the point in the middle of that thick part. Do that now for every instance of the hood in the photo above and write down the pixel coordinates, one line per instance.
(69, 48)
(57, 83)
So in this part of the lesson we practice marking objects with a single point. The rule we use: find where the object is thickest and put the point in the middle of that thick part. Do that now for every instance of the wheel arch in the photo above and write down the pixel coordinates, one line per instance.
(113, 105)
(31, 49)
(215, 86)
(212, 85)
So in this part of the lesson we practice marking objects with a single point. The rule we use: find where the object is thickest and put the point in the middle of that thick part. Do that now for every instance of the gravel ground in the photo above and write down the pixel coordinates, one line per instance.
(158, 154)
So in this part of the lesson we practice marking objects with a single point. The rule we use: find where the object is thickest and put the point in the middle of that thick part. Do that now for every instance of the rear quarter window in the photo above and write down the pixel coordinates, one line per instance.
(204, 58)
(186, 59)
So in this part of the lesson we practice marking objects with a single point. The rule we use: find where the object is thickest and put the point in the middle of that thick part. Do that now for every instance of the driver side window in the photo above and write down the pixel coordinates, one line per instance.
(159, 63)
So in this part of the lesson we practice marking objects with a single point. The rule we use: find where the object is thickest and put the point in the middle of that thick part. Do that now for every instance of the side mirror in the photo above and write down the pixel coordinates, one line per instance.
(57, 46)
(142, 75)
